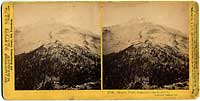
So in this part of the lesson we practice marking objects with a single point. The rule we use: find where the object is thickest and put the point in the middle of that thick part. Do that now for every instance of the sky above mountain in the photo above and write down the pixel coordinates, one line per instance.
(83, 15)
(170, 14)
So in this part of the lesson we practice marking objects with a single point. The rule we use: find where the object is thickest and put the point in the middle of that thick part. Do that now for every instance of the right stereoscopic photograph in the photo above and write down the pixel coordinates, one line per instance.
(145, 45)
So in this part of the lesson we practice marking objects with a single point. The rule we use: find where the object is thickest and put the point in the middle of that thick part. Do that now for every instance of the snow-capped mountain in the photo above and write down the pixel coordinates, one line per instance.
(55, 56)
(30, 37)
(143, 55)
(119, 37)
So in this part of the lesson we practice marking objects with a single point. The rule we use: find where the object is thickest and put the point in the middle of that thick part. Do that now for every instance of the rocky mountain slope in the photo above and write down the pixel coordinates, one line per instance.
(64, 58)
(143, 55)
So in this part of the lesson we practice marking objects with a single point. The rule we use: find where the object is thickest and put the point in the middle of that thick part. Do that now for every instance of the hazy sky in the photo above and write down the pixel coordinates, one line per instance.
(83, 15)
(171, 14)
(86, 15)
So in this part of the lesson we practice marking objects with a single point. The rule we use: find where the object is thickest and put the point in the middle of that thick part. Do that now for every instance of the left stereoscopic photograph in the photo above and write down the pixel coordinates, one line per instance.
(57, 46)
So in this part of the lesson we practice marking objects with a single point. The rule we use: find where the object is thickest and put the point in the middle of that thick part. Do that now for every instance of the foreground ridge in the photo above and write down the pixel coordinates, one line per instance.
(57, 66)
(146, 66)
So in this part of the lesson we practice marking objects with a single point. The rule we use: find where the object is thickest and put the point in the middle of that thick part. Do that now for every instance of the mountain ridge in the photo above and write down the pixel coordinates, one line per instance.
(57, 66)
(160, 66)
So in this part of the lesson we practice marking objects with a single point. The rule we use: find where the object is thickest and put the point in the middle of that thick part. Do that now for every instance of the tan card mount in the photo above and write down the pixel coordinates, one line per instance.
(100, 50)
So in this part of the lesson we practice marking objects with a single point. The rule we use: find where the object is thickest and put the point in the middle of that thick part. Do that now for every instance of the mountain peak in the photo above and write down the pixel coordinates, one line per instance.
(137, 20)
